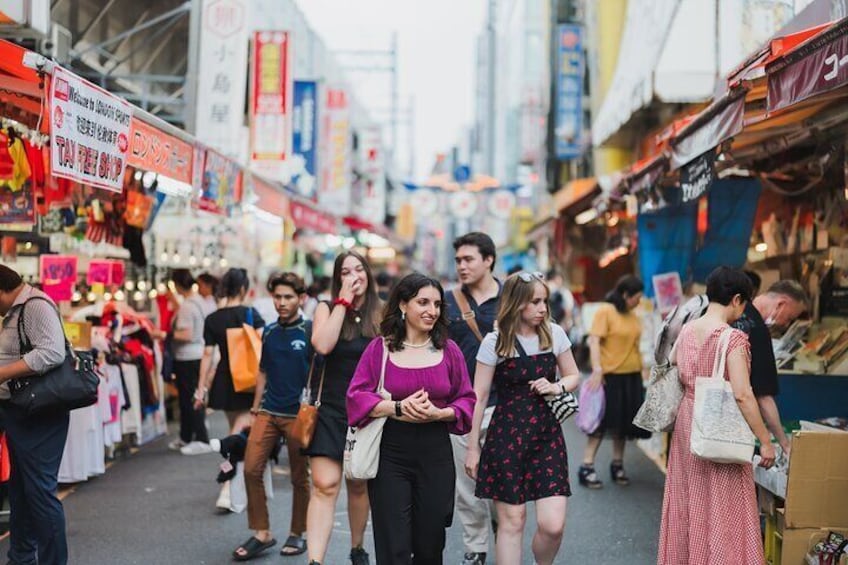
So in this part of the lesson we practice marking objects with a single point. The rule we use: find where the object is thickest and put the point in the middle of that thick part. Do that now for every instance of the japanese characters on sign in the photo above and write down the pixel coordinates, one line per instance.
(270, 105)
(569, 101)
(334, 192)
(816, 67)
(303, 165)
(156, 151)
(222, 75)
(697, 177)
(89, 132)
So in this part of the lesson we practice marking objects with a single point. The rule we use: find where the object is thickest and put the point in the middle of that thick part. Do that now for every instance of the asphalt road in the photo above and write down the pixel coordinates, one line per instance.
(157, 507)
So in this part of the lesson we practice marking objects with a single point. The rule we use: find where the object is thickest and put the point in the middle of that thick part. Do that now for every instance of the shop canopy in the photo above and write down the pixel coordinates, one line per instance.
(793, 88)
(575, 195)
(155, 142)
(817, 66)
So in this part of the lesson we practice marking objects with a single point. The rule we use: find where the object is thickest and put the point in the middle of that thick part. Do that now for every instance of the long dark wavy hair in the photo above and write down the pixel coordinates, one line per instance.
(369, 313)
(393, 326)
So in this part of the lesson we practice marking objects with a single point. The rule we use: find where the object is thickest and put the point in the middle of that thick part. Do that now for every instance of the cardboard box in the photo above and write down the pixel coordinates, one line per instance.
(79, 334)
(817, 486)
(797, 543)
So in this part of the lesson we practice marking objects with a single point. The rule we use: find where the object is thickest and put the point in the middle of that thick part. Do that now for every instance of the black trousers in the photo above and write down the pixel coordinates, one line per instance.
(37, 521)
(412, 496)
(192, 422)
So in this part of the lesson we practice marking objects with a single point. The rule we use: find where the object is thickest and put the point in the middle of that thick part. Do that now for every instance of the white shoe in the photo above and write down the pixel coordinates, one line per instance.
(176, 445)
(215, 444)
(196, 448)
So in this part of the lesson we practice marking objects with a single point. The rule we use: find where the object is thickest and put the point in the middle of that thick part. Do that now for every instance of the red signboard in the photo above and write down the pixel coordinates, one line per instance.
(270, 199)
(156, 151)
(270, 104)
(306, 217)
(818, 66)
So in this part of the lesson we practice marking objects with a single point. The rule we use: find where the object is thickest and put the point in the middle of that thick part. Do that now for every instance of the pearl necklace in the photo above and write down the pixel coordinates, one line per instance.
(418, 346)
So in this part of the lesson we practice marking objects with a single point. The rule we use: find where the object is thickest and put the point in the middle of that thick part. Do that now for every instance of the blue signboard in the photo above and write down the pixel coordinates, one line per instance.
(305, 137)
(569, 101)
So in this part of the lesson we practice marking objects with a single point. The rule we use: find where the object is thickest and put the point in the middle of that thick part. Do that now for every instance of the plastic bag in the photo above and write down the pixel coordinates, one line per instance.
(592, 405)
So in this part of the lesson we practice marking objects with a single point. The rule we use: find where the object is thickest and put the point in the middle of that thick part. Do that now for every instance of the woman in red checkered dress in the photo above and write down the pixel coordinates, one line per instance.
(710, 512)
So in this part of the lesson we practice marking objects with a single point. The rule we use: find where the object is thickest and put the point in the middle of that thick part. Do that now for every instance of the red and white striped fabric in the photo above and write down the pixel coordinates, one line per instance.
(709, 514)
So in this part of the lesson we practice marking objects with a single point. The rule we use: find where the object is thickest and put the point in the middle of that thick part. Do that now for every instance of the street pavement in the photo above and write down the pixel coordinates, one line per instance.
(158, 507)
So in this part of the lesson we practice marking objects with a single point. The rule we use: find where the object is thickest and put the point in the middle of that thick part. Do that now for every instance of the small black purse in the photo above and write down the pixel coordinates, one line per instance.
(71, 385)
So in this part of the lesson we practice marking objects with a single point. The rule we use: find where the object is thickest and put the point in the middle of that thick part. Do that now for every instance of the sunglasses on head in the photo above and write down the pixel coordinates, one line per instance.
(529, 277)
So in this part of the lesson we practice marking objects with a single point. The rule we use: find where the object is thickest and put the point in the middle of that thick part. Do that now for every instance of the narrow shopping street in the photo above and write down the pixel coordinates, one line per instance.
(157, 507)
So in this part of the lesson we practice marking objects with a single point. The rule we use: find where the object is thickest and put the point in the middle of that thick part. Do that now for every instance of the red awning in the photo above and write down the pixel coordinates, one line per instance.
(270, 198)
(645, 173)
(817, 66)
(755, 64)
(19, 85)
(721, 120)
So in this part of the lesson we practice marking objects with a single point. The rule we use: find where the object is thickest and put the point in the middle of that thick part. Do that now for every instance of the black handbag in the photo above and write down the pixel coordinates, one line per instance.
(71, 385)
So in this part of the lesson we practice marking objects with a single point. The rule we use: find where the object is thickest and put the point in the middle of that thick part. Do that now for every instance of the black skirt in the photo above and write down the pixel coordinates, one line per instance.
(624, 396)
(330, 433)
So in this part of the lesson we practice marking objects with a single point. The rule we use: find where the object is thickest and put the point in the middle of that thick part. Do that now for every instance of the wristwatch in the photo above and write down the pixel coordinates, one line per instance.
(398, 411)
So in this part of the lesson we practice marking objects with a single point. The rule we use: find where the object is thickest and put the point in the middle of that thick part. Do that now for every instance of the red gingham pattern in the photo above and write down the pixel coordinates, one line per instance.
(709, 514)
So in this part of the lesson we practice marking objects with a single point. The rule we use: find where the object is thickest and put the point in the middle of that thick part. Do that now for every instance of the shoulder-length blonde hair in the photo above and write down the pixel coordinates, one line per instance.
(517, 293)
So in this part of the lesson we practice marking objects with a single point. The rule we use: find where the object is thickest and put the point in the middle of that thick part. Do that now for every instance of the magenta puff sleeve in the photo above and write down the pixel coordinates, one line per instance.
(362, 394)
(463, 397)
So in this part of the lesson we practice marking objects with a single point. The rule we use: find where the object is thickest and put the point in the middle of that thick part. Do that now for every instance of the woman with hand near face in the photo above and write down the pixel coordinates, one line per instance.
(341, 330)
(412, 496)
(524, 458)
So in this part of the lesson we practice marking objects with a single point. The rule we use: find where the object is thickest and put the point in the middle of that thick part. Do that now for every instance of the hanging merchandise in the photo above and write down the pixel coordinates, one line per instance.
(14, 165)
(139, 206)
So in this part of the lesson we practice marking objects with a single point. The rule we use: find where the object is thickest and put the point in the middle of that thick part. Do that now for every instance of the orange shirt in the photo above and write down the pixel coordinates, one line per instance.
(620, 335)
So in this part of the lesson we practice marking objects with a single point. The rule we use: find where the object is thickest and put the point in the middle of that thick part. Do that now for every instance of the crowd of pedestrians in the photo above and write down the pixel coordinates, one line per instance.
(462, 382)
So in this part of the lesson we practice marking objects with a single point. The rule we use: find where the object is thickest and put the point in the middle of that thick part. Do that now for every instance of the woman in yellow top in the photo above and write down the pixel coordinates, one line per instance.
(617, 366)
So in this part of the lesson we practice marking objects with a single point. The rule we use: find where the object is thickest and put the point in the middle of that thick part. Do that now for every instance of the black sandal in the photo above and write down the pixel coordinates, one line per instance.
(252, 548)
(618, 474)
(297, 543)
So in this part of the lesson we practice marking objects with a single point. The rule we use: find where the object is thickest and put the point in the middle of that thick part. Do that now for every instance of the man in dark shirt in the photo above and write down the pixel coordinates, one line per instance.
(475, 262)
(777, 308)
(283, 372)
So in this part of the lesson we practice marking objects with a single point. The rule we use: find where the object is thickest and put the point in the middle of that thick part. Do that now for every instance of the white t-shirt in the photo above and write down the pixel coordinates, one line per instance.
(486, 354)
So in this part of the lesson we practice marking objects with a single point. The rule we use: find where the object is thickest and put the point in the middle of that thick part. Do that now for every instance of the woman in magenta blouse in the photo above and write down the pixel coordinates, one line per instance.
(412, 496)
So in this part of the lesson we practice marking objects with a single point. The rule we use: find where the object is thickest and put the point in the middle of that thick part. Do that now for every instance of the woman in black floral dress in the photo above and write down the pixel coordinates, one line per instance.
(524, 457)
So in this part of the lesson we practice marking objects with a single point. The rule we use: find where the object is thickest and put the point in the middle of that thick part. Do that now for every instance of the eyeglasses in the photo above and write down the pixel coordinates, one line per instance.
(528, 277)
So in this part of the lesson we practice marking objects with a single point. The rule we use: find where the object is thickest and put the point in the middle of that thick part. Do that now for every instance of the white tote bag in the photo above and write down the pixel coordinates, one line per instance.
(362, 445)
(719, 431)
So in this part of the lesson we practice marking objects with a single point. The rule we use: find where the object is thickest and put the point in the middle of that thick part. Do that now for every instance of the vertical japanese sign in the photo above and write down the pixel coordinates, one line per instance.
(304, 137)
(89, 132)
(370, 197)
(334, 192)
(270, 104)
(569, 100)
(222, 74)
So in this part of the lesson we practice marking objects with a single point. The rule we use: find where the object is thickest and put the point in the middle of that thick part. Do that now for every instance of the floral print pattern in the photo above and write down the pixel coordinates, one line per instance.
(524, 457)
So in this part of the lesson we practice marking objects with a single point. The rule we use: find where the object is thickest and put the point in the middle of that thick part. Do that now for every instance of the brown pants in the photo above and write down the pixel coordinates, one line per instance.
(264, 435)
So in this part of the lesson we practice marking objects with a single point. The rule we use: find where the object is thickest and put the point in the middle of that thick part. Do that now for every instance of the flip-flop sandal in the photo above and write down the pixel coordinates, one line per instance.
(252, 548)
(296, 543)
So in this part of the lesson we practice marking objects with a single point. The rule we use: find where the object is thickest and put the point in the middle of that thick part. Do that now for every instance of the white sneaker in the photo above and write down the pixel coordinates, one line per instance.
(215, 444)
(176, 445)
(196, 448)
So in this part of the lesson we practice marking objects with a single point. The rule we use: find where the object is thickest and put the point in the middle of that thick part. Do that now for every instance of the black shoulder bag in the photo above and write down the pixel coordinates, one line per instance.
(71, 385)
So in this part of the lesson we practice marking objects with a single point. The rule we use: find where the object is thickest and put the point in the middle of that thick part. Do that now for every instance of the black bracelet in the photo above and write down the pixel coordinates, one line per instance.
(398, 411)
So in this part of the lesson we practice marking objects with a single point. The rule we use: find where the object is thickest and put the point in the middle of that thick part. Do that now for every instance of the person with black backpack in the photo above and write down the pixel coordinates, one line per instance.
(283, 370)
(36, 443)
